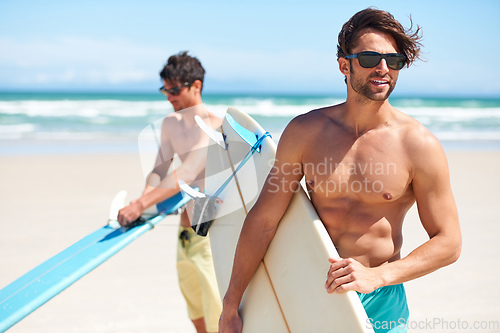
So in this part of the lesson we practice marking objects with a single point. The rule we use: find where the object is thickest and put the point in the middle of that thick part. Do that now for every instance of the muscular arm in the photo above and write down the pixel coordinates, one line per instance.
(438, 215)
(261, 224)
(163, 161)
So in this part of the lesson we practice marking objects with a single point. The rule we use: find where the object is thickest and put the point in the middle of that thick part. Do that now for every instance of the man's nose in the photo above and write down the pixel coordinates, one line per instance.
(382, 66)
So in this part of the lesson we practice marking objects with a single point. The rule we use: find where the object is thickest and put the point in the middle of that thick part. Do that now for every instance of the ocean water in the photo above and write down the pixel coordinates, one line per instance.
(74, 123)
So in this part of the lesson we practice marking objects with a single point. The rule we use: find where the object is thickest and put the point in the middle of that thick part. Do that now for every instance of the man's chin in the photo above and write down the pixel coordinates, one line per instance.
(380, 96)
(176, 107)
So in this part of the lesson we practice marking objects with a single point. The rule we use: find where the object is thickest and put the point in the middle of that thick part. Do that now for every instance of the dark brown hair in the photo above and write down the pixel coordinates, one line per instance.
(407, 41)
(182, 68)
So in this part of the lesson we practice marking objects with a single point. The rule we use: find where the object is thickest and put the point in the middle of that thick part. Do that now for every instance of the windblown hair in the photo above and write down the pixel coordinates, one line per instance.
(407, 41)
(182, 68)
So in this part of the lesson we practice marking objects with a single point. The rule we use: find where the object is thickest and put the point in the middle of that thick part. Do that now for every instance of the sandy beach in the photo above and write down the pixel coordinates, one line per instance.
(49, 202)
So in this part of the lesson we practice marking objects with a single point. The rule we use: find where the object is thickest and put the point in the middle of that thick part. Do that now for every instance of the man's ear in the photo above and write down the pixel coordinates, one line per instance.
(344, 66)
(197, 85)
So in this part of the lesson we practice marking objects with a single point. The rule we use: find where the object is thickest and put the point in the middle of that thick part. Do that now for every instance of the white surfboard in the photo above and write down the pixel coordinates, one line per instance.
(287, 292)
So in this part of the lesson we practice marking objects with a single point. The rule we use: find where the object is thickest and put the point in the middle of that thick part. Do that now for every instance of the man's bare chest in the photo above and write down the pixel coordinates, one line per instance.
(185, 142)
(369, 171)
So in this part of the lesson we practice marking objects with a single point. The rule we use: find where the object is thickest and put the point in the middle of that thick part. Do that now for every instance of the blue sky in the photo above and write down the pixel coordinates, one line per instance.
(249, 46)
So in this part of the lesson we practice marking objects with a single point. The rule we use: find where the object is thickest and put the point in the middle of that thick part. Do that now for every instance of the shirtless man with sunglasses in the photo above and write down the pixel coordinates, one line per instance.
(182, 78)
(380, 162)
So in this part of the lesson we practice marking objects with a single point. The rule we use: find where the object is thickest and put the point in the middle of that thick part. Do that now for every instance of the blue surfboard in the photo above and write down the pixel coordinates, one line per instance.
(35, 288)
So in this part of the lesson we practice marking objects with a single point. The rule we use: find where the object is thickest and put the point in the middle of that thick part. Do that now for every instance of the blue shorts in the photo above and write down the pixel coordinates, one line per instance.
(387, 309)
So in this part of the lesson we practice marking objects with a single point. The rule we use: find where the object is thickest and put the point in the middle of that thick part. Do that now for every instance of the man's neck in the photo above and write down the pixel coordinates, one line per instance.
(363, 115)
(195, 110)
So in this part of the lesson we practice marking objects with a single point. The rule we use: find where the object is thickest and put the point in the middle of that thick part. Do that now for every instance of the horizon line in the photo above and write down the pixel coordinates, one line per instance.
(319, 94)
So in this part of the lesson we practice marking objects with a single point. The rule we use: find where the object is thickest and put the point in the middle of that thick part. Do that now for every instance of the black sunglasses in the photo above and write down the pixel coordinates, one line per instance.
(369, 59)
(173, 91)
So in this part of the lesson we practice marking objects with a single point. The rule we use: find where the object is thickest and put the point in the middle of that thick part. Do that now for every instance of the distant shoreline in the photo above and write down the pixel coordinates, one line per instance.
(78, 122)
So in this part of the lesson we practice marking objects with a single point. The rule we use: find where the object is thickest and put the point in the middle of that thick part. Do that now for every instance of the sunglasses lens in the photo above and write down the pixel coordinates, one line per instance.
(174, 91)
(369, 60)
(395, 61)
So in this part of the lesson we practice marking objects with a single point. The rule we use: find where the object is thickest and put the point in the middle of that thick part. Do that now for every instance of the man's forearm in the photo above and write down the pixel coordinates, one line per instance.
(348, 274)
(439, 251)
(156, 195)
(157, 190)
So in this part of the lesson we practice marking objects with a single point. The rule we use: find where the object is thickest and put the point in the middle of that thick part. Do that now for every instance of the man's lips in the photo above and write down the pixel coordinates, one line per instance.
(379, 82)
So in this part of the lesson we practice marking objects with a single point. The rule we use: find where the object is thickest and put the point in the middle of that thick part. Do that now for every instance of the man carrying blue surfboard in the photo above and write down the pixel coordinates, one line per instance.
(182, 79)
(376, 162)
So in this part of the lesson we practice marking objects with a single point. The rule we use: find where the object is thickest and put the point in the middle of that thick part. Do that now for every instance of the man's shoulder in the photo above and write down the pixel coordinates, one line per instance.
(417, 139)
(305, 127)
(172, 119)
(314, 117)
(215, 120)
(170, 125)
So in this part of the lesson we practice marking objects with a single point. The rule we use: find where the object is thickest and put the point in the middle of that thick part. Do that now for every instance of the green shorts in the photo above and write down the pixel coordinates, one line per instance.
(197, 278)
(387, 309)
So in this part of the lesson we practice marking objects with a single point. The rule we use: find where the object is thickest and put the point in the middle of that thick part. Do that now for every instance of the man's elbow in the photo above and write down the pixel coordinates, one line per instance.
(455, 249)
(261, 221)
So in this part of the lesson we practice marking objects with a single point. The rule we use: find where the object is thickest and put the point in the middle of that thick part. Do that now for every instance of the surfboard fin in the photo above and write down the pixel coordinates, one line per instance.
(212, 134)
(117, 203)
(204, 214)
(249, 137)
(189, 190)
